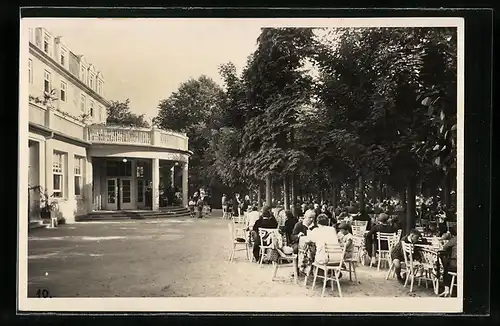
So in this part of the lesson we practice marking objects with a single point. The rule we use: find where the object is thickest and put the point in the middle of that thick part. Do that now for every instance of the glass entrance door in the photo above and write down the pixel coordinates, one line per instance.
(112, 194)
(126, 201)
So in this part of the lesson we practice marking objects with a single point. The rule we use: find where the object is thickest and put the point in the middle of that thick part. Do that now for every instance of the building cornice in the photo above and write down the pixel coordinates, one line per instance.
(49, 133)
(138, 147)
(54, 65)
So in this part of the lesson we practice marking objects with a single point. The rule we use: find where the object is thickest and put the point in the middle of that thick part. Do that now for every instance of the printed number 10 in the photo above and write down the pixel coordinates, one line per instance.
(43, 293)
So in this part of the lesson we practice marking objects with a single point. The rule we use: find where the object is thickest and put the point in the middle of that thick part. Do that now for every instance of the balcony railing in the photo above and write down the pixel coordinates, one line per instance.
(104, 134)
(137, 136)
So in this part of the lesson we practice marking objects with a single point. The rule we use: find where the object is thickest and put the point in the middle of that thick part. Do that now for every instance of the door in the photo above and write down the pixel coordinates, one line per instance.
(126, 201)
(112, 194)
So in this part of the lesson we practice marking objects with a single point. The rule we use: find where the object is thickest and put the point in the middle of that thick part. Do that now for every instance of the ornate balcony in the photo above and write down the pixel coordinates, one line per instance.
(100, 134)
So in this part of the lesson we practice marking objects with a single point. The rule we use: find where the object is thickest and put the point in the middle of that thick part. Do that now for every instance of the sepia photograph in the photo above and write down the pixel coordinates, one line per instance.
(207, 164)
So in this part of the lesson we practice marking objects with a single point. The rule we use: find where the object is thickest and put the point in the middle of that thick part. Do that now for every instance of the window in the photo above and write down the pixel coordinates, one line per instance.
(46, 81)
(91, 81)
(63, 57)
(99, 87)
(91, 109)
(58, 174)
(30, 71)
(30, 32)
(63, 91)
(82, 103)
(78, 175)
(46, 43)
(140, 171)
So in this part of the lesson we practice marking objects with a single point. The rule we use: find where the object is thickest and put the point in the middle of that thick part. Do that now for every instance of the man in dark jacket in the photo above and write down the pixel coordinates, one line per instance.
(371, 243)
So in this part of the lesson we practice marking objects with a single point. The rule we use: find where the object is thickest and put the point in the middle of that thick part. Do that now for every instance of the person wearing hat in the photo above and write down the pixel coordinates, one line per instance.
(383, 226)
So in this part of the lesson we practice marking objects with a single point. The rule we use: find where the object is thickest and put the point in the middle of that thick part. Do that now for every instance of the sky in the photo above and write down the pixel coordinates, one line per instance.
(147, 60)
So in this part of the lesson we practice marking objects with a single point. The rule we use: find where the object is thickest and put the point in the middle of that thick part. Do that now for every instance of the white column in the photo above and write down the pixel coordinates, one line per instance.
(89, 181)
(172, 176)
(49, 150)
(156, 184)
(185, 189)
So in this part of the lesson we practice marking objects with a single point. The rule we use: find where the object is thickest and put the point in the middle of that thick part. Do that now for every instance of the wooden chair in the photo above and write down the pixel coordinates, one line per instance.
(236, 240)
(359, 246)
(358, 230)
(383, 254)
(283, 257)
(330, 267)
(361, 224)
(392, 243)
(412, 266)
(265, 242)
(429, 258)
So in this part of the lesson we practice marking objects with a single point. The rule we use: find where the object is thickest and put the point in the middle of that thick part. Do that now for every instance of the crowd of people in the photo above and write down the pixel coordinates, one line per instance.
(322, 223)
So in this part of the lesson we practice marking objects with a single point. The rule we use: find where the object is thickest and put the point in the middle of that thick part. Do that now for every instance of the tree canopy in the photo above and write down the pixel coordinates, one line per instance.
(119, 113)
(353, 108)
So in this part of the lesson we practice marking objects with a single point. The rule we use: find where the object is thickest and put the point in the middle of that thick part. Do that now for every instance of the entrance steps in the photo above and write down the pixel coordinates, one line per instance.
(164, 212)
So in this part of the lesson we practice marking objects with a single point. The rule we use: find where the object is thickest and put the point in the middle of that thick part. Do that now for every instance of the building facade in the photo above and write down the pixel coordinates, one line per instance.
(81, 163)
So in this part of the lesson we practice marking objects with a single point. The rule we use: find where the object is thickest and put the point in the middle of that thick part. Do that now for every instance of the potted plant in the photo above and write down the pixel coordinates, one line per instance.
(47, 206)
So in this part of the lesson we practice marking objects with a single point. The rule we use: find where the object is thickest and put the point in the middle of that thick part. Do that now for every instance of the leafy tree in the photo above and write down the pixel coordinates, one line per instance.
(119, 113)
(195, 108)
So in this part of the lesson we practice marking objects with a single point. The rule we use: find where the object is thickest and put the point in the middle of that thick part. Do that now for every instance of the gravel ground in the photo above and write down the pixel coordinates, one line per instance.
(168, 258)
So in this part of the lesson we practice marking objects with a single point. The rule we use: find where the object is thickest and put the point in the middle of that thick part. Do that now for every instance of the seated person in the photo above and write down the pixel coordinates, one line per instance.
(448, 256)
(363, 216)
(321, 235)
(397, 254)
(300, 229)
(371, 244)
(267, 221)
(290, 223)
(346, 240)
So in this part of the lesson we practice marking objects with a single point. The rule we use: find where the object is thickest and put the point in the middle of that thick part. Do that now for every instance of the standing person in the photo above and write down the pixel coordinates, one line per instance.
(237, 205)
(224, 205)
(199, 206)
(246, 203)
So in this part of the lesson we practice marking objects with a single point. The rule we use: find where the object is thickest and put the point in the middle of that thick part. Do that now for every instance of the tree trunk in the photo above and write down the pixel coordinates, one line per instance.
(361, 192)
(410, 206)
(334, 194)
(259, 195)
(293, 198)
(403, 198)
(286, 203)
(268, 189)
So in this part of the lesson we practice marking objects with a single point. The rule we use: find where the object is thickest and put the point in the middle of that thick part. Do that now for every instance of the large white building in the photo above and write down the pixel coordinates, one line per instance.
(83, 164)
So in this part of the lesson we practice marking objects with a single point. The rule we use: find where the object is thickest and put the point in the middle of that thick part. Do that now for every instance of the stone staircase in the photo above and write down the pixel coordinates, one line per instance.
(164, 212)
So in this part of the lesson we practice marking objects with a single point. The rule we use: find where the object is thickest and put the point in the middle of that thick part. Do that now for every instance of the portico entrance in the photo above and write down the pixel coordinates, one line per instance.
(136, 183)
